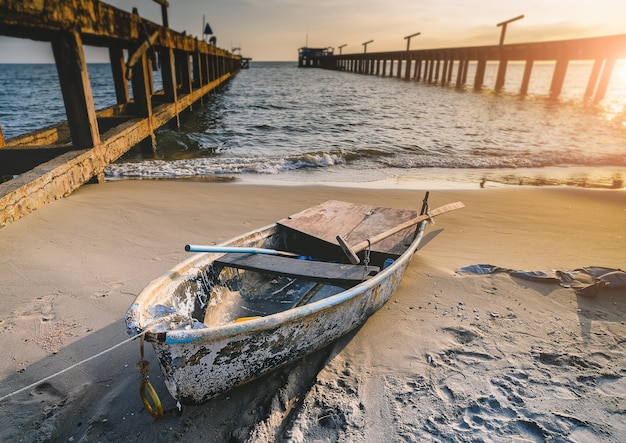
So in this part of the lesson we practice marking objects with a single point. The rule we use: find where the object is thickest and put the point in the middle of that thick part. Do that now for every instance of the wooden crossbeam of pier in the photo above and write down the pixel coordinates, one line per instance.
(50, 163)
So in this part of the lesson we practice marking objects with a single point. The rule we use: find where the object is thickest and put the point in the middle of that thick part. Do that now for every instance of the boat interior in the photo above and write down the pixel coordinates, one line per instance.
(243, 286)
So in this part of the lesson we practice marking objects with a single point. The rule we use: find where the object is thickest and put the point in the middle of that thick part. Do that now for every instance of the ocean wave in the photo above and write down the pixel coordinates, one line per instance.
(277, 118)
(363, 159)
(501, 161)
(220, 166)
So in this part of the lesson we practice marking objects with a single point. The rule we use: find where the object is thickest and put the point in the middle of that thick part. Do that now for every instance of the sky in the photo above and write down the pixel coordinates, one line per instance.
(273, 30)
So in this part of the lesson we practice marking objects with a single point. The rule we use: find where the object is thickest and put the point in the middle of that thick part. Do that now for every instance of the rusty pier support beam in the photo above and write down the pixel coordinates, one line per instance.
(72, 69)
(118, 69)
(142, 97)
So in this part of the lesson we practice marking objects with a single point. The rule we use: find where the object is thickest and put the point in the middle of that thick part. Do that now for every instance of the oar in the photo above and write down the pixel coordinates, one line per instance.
(351, 251)
(241, 250)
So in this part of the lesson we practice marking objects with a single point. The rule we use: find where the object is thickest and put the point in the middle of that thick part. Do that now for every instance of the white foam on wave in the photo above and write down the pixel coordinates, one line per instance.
(219, 166)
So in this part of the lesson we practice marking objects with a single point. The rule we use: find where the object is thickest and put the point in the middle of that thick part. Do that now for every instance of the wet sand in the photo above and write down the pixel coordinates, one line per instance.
(451, 357)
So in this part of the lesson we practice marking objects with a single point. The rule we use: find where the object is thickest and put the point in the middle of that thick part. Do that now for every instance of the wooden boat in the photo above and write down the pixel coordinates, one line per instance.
(223, 318)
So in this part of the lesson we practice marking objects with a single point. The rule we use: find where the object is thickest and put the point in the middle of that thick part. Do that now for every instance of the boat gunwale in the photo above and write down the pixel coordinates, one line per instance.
(184, 270)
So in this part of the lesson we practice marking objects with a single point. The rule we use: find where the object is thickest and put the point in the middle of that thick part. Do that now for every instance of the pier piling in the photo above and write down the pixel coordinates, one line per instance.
(50, 163)
(437, 66)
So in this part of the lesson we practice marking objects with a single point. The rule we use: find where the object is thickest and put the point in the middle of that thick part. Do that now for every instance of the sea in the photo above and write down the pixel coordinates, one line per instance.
(276, 123)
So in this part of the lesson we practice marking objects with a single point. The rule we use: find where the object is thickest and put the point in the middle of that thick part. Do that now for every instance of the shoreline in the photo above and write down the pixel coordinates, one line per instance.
(608, 177)
(449, 356)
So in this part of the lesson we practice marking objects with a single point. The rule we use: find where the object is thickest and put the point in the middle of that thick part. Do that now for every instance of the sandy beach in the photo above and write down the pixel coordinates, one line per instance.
(451, 358)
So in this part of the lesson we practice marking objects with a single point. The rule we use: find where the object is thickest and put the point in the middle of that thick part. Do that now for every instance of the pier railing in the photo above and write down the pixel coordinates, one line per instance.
(47, 164)
(449, 66)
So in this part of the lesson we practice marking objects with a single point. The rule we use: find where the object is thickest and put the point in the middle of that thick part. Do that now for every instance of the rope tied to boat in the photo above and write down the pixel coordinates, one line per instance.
(75, 365)
(430, 218)
(152, 404)
(366, 258)
(144, 369)
(426, 209)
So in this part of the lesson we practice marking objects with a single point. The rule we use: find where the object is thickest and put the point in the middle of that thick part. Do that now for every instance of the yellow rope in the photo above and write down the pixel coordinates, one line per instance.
(144, 368)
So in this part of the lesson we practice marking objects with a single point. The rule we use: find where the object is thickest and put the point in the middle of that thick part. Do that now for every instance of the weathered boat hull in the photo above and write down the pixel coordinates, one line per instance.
(199, 364)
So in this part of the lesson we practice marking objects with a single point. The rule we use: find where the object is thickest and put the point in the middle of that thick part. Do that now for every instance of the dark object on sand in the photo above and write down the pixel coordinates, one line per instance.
(587, 281)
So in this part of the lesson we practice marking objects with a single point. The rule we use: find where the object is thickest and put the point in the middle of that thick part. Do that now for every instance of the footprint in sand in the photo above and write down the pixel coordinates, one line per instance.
(614, 387)
(45, 392)
(463, 336)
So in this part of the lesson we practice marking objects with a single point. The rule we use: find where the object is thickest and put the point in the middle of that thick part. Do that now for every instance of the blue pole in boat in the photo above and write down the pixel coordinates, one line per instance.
(236, 249)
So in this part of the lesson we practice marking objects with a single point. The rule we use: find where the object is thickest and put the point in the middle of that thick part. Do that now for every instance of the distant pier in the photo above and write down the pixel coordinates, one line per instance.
(313, 57)
(449, 66)
(47, 164)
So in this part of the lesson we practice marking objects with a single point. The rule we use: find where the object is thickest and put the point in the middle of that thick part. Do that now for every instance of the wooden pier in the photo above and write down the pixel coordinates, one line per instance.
(47, 164)
(449, 66)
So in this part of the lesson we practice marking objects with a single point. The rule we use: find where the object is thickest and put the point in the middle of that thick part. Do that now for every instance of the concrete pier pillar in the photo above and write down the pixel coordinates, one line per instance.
(418, 70)
(593, 78)
(479, 79)
(558, 77)
(528, 68)
(604, 80)
(501, 77)
(407, 71)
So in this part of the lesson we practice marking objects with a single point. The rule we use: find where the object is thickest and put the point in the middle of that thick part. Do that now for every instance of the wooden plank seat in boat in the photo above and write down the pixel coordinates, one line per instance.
(336, 274)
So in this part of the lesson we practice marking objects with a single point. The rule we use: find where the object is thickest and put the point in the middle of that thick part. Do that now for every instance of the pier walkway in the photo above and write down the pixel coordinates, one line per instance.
(47, 164)
(449, 66)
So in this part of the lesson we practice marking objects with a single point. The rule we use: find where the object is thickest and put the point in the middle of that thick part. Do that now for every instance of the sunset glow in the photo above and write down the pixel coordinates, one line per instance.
(615, 103)
(275, 29)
